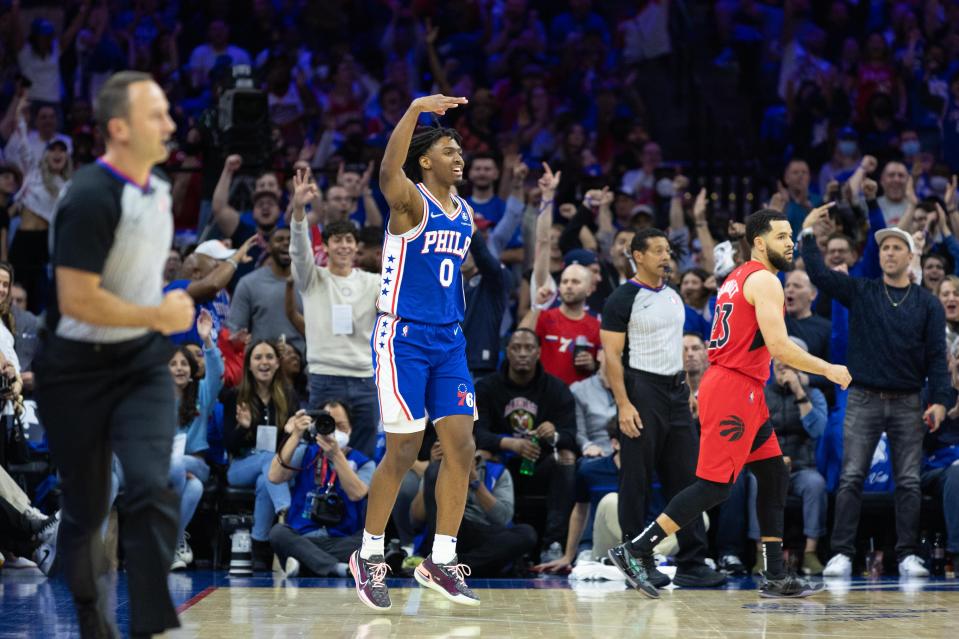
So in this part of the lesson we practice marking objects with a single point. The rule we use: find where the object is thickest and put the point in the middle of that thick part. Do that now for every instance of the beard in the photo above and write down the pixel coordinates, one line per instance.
(779, 261)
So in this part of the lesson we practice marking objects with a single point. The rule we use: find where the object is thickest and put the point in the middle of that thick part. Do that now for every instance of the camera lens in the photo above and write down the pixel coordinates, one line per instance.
(323, 422)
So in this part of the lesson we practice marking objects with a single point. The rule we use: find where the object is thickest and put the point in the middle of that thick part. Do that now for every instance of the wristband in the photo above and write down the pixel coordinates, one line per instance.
(474, 484)
(802, 400)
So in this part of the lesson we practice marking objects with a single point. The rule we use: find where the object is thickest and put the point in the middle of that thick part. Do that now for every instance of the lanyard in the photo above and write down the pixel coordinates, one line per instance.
(321, 472)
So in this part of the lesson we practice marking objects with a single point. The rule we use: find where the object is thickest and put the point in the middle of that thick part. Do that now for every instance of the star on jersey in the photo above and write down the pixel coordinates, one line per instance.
(387, 280)
(385, 291)
(390, 258)
(389, 269)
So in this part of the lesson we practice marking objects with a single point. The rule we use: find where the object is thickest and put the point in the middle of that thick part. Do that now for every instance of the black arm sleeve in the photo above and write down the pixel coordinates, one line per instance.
(86, 219)
(489, 267)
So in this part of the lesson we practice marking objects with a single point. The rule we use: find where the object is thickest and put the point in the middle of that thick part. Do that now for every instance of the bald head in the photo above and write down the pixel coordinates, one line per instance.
(800, 294)
(575, 285)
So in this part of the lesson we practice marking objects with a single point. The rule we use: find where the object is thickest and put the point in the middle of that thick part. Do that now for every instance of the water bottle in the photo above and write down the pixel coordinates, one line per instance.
(938, 567)
(528, 467)
(580, 345)
(308, 505)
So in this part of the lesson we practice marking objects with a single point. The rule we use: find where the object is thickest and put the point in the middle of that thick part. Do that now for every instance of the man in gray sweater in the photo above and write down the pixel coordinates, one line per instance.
(339, 310)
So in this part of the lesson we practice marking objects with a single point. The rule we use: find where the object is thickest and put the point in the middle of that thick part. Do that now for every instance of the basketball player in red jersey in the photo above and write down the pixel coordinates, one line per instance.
(748, 329)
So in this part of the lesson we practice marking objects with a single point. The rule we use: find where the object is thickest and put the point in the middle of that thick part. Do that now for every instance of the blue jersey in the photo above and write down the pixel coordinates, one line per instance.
(421, 278)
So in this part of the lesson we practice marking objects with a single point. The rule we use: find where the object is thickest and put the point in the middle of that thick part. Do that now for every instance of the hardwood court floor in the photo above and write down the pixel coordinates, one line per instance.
(213, 605)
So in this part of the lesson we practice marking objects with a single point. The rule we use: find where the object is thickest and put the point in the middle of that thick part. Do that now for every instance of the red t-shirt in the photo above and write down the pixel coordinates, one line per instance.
(557, 334)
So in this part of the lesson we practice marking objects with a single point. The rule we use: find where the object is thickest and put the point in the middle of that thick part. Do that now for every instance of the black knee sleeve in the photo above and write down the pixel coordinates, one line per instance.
(696, 499)
(772, 478)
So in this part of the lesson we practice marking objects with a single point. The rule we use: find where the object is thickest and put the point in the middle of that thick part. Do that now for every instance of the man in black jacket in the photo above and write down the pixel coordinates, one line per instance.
(527, 417)
(488, 285)
(895, 344)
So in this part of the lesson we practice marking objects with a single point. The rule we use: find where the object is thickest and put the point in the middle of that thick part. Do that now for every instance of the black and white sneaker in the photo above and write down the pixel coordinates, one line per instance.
(633, 570)
(789, 586)
(733, 566)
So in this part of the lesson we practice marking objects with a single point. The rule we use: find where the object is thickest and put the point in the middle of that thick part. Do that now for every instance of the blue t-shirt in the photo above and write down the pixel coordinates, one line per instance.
(218, 308)
(306, 482)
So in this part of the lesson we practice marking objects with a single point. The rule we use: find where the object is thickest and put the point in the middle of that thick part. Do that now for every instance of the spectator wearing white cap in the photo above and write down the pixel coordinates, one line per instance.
(896, 347)
(205, 274)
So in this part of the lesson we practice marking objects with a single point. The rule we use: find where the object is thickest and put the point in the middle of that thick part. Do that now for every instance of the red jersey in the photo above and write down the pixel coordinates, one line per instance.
(557, 334)
(735, 341)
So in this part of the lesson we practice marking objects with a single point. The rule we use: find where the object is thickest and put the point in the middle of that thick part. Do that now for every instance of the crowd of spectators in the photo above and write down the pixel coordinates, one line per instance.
(572, 103)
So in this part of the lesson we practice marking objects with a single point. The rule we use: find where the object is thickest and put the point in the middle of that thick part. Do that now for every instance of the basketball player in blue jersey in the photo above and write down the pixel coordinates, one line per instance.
(419, 351)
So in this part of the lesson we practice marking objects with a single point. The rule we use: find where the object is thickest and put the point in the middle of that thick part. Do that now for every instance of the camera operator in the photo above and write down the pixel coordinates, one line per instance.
(325, 521)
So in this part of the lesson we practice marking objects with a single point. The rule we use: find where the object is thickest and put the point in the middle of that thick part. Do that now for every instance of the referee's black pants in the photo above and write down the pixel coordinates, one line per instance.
(95, 400)
(668, 445)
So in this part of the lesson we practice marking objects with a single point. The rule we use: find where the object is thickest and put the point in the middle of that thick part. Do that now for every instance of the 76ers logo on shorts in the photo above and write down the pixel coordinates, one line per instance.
(464, 396)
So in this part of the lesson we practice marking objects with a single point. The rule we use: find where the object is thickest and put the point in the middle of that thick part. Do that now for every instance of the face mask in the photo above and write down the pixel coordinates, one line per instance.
(847, 148)
(910, 148)
(342, 439)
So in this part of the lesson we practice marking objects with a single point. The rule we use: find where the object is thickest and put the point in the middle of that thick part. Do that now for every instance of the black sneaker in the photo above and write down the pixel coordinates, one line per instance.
(788, 586)
(733, 566)
(633, 570)
(698, 576)
(655, 577)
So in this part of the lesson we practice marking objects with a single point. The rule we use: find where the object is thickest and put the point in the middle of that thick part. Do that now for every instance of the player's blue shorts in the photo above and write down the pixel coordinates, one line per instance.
(420, 370)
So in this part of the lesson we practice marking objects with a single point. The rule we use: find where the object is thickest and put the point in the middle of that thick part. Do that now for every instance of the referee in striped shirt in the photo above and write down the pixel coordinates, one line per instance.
(642, 335)
(103, 383)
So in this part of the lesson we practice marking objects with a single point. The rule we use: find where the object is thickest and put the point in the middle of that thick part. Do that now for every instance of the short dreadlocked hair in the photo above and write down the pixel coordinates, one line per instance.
(421, 143)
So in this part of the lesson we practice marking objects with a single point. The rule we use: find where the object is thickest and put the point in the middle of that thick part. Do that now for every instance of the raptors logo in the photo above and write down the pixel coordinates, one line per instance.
(464, 396)
(734, 428)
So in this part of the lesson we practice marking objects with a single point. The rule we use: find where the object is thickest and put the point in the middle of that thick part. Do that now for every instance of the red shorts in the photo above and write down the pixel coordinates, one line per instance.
(735, 429)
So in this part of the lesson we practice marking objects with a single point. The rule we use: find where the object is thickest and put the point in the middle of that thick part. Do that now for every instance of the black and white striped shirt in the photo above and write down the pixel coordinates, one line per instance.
(107, 224)
(652, 319)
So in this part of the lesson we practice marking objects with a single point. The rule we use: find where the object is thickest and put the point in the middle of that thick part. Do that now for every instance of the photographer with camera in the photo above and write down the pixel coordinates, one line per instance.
(325, 521)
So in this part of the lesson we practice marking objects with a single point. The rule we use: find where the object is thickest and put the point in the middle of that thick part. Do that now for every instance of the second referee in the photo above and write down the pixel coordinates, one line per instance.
(642, 335)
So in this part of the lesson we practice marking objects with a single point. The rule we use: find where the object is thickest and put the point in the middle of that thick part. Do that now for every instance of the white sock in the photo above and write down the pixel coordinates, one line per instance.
(372, 545)
(341, 569)
(444, 549)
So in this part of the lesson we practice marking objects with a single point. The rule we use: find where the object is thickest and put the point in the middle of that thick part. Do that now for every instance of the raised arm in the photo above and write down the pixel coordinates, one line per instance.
(706, 241)
(305, 271)
(227, 217)
(838, 285)
(207, 288)
(547, 184)
(400, 192)
(374, 217)
(764, 291)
